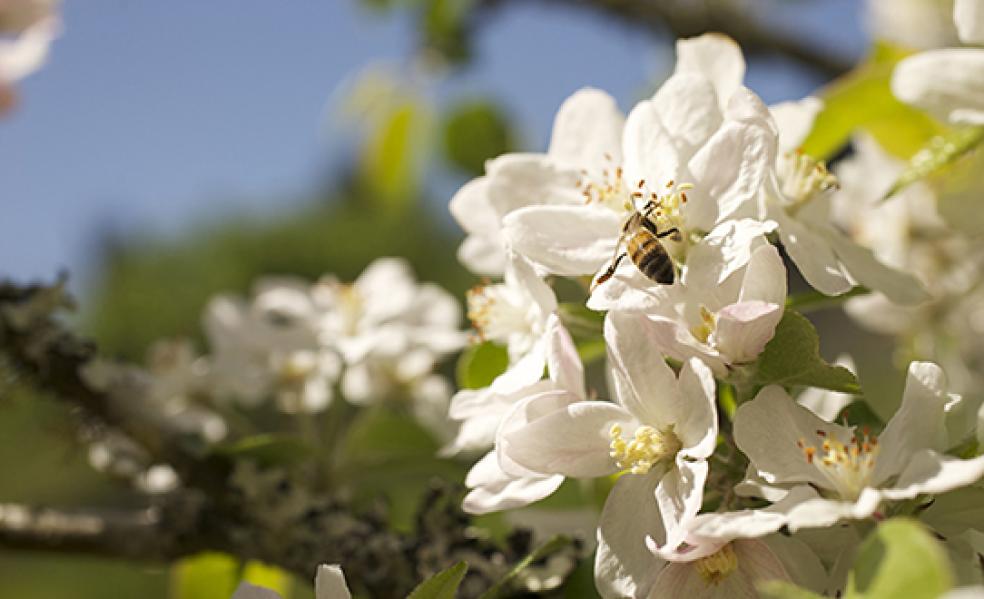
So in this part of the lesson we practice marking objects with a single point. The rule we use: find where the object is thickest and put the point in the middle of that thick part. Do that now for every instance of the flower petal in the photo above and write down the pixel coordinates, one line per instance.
(768, 430)
(473, 209)
(697, 424)
(679, 494)
(573, 441)
(524, 412)
(624, 567)
(648, 149)
(482, 255)
(329, 583)
(563, 362)
(629, 291)
(930, 472)
(529, 179)
(587, 128)
(947, 83)
(765, 277)
(812, 255)
(674, 340)
(794, 120)
(715, 56)
(565, 240)
(492, 490)
(900, 287)
(688, 110)
(968, 16)
(743, 330)
(725, 250)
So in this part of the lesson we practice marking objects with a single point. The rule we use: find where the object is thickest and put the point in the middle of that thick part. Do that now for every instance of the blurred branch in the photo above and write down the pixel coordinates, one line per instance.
(688, 18)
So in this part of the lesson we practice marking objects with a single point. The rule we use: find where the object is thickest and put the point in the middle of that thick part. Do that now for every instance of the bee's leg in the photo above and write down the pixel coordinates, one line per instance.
(608, 273)
(666, 232)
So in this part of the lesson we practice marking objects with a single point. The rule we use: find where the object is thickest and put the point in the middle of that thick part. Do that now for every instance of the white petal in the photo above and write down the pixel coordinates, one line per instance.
(756, 563)
(931, 472)
(473, 210)
(629, 291)
(697, 425)
(482, 255)
(750, 523)
(743, 330)
(730, 171)
(520, 274)
(624, 567)
(573, 441)
(794, 120)
(525, 372)
(919, 422)
(330, 583)
(22, 55)
(679, 495)
(968, 16)
(688, 110)
(717, 57)
(812, 255)
(673, 339)
(587, 128)
(563, 362)
(565, 240)
(725, 250)
(900, 287)
(492, 490)
(519, 180)
(765, 277)
(947, 83)
(524, 412)
(246, 590)
(768, 429)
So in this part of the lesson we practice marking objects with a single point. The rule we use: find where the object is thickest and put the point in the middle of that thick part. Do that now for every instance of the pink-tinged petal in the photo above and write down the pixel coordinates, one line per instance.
(587, 130)
(574, 441)
(329, 583)
(930, 472)
(519, 180)
(716, 57)
(794, 120)
(483, 255)
(688, 110)
(812, 255)
(947, 83)
(743, 330)
(563, 362)
(246, 590)
(649, 151)
(697, 422)
(645, 384)
(565, 240)
(492, 490)
(624, 567)
(725, 250)
(679, 495)
(769, 430)
(968, 16)
(756, 563)
(673, 339)
(731, 170)
(919, 423)
(765, 277)
(900, 287)
(473, 210)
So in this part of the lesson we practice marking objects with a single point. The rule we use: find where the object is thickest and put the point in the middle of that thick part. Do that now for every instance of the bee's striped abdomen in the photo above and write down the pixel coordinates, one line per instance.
(650, 257)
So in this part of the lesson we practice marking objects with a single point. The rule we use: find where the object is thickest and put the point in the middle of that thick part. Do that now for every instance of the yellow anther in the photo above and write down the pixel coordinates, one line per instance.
(647, 448)
(716, 567)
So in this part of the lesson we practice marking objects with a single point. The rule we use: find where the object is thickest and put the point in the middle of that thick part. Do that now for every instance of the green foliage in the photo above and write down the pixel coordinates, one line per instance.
(938, 153)
(859, 413)
(268, 449)
(863, 99)
(445, 28)
(390, 165)
(899, 559)
(473, 132)
(443, 585)
(204, 576)
(480, 364)
(792, 357)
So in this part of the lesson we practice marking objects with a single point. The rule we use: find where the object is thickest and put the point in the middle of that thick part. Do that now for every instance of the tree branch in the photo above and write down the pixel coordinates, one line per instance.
(688, 18)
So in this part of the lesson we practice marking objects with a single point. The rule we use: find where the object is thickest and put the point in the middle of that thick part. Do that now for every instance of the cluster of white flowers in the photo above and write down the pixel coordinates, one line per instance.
(673, 213)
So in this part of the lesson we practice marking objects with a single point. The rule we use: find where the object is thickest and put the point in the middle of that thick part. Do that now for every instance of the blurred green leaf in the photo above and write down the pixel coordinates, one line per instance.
(270, 577)
(443, 585)
(792, 357)
(863, 99)
(268, 449)
(391, 156)
(445, 28)
(475, 131)
(204, 576)
(899, 559)
(480, 364)
(939, 152)
(780, 589)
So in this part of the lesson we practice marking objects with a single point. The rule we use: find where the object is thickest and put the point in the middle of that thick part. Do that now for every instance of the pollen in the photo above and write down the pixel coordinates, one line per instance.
(647, 447)
(716, 567)
(804, 179)
(847, 466)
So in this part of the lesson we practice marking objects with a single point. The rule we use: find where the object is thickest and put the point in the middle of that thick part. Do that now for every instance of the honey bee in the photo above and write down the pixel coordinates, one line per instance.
(643, 247)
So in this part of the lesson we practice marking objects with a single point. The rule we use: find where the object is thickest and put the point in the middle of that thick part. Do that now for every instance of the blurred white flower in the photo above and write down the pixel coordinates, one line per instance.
(328, 584)
(827, 472)
(27, 28)
(913, 24)
(659, 434)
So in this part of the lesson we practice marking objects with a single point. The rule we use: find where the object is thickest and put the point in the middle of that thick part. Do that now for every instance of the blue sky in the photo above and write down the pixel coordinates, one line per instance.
(151, 116)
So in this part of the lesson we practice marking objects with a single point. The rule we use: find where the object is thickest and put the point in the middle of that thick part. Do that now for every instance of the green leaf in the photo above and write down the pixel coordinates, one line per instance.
(390, 158)
(780, 589)
(859, 413)
(792, 357)
(941, 151)
(502, 588)
(812, 300)
(476, 131)
(480, 364)
(863, 99)
(899, 559)
(204, 576)
(443, 585)
(268, 449)
(270, 577)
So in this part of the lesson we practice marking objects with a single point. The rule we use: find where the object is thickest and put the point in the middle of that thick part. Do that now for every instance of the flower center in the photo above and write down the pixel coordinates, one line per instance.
(847, 467)
(296, 367)
(803, 179)
(608, 191)
(716, 567)
(645, 449)
(499, 315)
(703, 330)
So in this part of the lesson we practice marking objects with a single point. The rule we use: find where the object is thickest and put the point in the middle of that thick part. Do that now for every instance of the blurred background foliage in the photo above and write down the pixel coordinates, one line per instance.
(408, 151)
